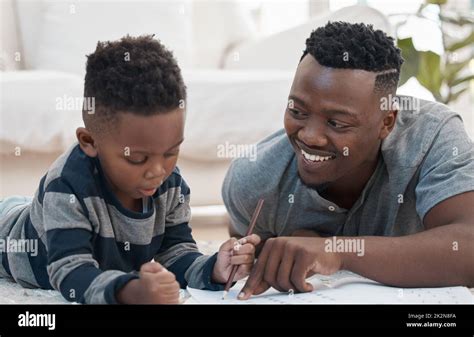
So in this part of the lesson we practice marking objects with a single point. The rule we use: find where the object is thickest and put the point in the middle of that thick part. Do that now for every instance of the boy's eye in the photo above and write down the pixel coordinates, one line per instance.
(171, 154)
(136, 159)
(335, 124)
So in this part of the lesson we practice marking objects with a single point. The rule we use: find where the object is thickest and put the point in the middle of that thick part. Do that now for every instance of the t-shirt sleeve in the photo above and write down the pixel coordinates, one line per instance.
(179, 252)
(448, 167)
(240, 199)
(71, 267)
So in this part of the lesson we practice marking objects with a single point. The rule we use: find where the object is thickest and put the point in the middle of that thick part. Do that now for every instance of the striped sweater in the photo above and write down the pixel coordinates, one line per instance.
(89, 245)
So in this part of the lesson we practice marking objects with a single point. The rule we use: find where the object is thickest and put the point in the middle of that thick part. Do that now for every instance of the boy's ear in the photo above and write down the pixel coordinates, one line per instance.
(86, 142)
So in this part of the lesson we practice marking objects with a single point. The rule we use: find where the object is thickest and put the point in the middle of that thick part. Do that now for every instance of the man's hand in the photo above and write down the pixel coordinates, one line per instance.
(286, 262)
(235, 252)
(156, 285)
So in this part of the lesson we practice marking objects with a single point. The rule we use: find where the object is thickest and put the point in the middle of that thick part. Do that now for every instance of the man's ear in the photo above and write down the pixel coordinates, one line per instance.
(86, 142)
(388, 123)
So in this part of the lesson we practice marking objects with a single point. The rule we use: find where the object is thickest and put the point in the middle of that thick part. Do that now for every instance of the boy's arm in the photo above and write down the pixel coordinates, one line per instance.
(440, 256)
(179, 252)
(71, 268)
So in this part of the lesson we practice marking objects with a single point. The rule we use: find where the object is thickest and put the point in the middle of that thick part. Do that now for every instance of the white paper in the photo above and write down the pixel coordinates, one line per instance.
(343, 287)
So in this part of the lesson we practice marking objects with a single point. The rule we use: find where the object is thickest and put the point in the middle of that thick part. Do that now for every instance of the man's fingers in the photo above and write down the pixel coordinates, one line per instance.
(298, 275)
(151, 267)
(256, 276)
(272, 266)
(257, 290)
(284, 272)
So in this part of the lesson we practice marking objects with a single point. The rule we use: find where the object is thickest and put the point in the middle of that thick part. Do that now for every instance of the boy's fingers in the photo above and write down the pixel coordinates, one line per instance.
(151, 267)
(229, 244)
(165, 276)
(253, 239)
(241, 259)
(243, 271)
(169, 288)
(244, 249)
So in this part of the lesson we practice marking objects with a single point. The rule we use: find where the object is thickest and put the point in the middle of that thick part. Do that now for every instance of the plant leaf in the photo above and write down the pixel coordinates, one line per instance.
(463, 43)
(454, 96)
(410, 55)
(452, 69)
(456, 19)
(436, 2)
(429, 72)
(462, 80)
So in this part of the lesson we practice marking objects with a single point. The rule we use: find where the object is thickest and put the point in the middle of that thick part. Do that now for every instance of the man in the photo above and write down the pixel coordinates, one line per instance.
(358, 181)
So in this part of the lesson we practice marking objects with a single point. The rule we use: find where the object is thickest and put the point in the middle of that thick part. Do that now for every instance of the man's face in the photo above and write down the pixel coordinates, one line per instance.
(334, 122)
(140, 153)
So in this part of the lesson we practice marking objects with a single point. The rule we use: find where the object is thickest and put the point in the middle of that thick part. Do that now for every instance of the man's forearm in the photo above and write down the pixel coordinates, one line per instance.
(442, 256)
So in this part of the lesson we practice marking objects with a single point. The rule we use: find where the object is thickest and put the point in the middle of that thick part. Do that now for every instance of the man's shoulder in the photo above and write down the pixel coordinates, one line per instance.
(417, 126)
(273, 156)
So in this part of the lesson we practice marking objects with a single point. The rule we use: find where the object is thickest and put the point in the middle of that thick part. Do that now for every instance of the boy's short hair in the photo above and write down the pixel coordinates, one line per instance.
(134, 75)
(357, 46)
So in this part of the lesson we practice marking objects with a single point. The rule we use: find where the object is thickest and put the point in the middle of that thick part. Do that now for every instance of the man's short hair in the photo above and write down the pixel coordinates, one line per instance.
(357, 46)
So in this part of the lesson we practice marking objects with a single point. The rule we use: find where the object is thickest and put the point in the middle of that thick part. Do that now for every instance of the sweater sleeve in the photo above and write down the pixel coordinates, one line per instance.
(72, 269)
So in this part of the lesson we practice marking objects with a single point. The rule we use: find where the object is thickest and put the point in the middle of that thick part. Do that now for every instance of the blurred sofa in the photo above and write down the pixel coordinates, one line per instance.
(238, 82)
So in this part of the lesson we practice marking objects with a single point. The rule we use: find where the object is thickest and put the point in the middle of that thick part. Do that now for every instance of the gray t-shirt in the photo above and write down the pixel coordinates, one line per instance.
(427, 158)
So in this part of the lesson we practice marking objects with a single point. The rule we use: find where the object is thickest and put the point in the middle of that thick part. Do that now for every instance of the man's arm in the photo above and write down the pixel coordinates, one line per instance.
(440, 256)
(443, 255)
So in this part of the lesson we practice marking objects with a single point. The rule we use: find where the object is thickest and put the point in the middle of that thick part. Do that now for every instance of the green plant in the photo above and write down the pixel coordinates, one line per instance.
(445, 76)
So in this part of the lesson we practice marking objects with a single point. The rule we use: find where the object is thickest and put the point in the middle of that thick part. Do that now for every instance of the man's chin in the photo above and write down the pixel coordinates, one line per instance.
(313, 182)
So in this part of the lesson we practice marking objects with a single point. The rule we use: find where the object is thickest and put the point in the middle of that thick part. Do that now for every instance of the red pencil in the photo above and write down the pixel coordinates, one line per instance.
(253, 221)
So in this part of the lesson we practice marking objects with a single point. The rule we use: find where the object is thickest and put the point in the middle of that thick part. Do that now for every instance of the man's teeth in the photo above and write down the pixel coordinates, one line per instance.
(313, 157)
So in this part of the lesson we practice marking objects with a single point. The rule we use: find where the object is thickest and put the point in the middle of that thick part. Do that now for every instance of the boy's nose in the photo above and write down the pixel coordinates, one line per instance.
(155, 171)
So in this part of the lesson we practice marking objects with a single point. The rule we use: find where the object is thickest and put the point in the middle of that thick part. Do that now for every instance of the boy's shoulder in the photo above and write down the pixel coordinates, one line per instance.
(72, 170)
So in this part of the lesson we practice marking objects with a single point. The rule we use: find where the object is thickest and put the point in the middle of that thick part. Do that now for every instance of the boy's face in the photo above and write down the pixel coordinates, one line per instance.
(139, 153)
(334, 114)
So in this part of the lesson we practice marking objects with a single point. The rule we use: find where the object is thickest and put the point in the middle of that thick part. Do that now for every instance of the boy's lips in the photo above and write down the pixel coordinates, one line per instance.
(148, 192)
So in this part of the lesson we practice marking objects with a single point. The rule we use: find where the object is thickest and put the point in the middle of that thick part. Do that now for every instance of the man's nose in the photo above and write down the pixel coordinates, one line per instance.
(314, 134)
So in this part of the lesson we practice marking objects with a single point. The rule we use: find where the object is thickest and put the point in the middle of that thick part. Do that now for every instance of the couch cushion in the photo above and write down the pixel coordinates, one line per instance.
(69, 30)
(229, 108)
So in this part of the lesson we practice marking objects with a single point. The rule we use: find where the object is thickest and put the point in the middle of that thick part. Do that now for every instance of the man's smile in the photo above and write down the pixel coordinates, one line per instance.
(311, 158)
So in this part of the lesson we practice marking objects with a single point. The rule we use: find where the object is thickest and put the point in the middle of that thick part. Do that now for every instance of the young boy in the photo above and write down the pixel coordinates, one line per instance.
(116, 200)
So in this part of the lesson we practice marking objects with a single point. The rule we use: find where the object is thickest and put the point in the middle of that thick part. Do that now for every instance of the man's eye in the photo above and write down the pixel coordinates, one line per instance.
(136, 160)
(335, 124)
(296, 113)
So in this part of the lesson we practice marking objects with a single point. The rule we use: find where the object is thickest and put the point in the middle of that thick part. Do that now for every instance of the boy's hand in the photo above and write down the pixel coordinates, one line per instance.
(156, 285)
(235, 252)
